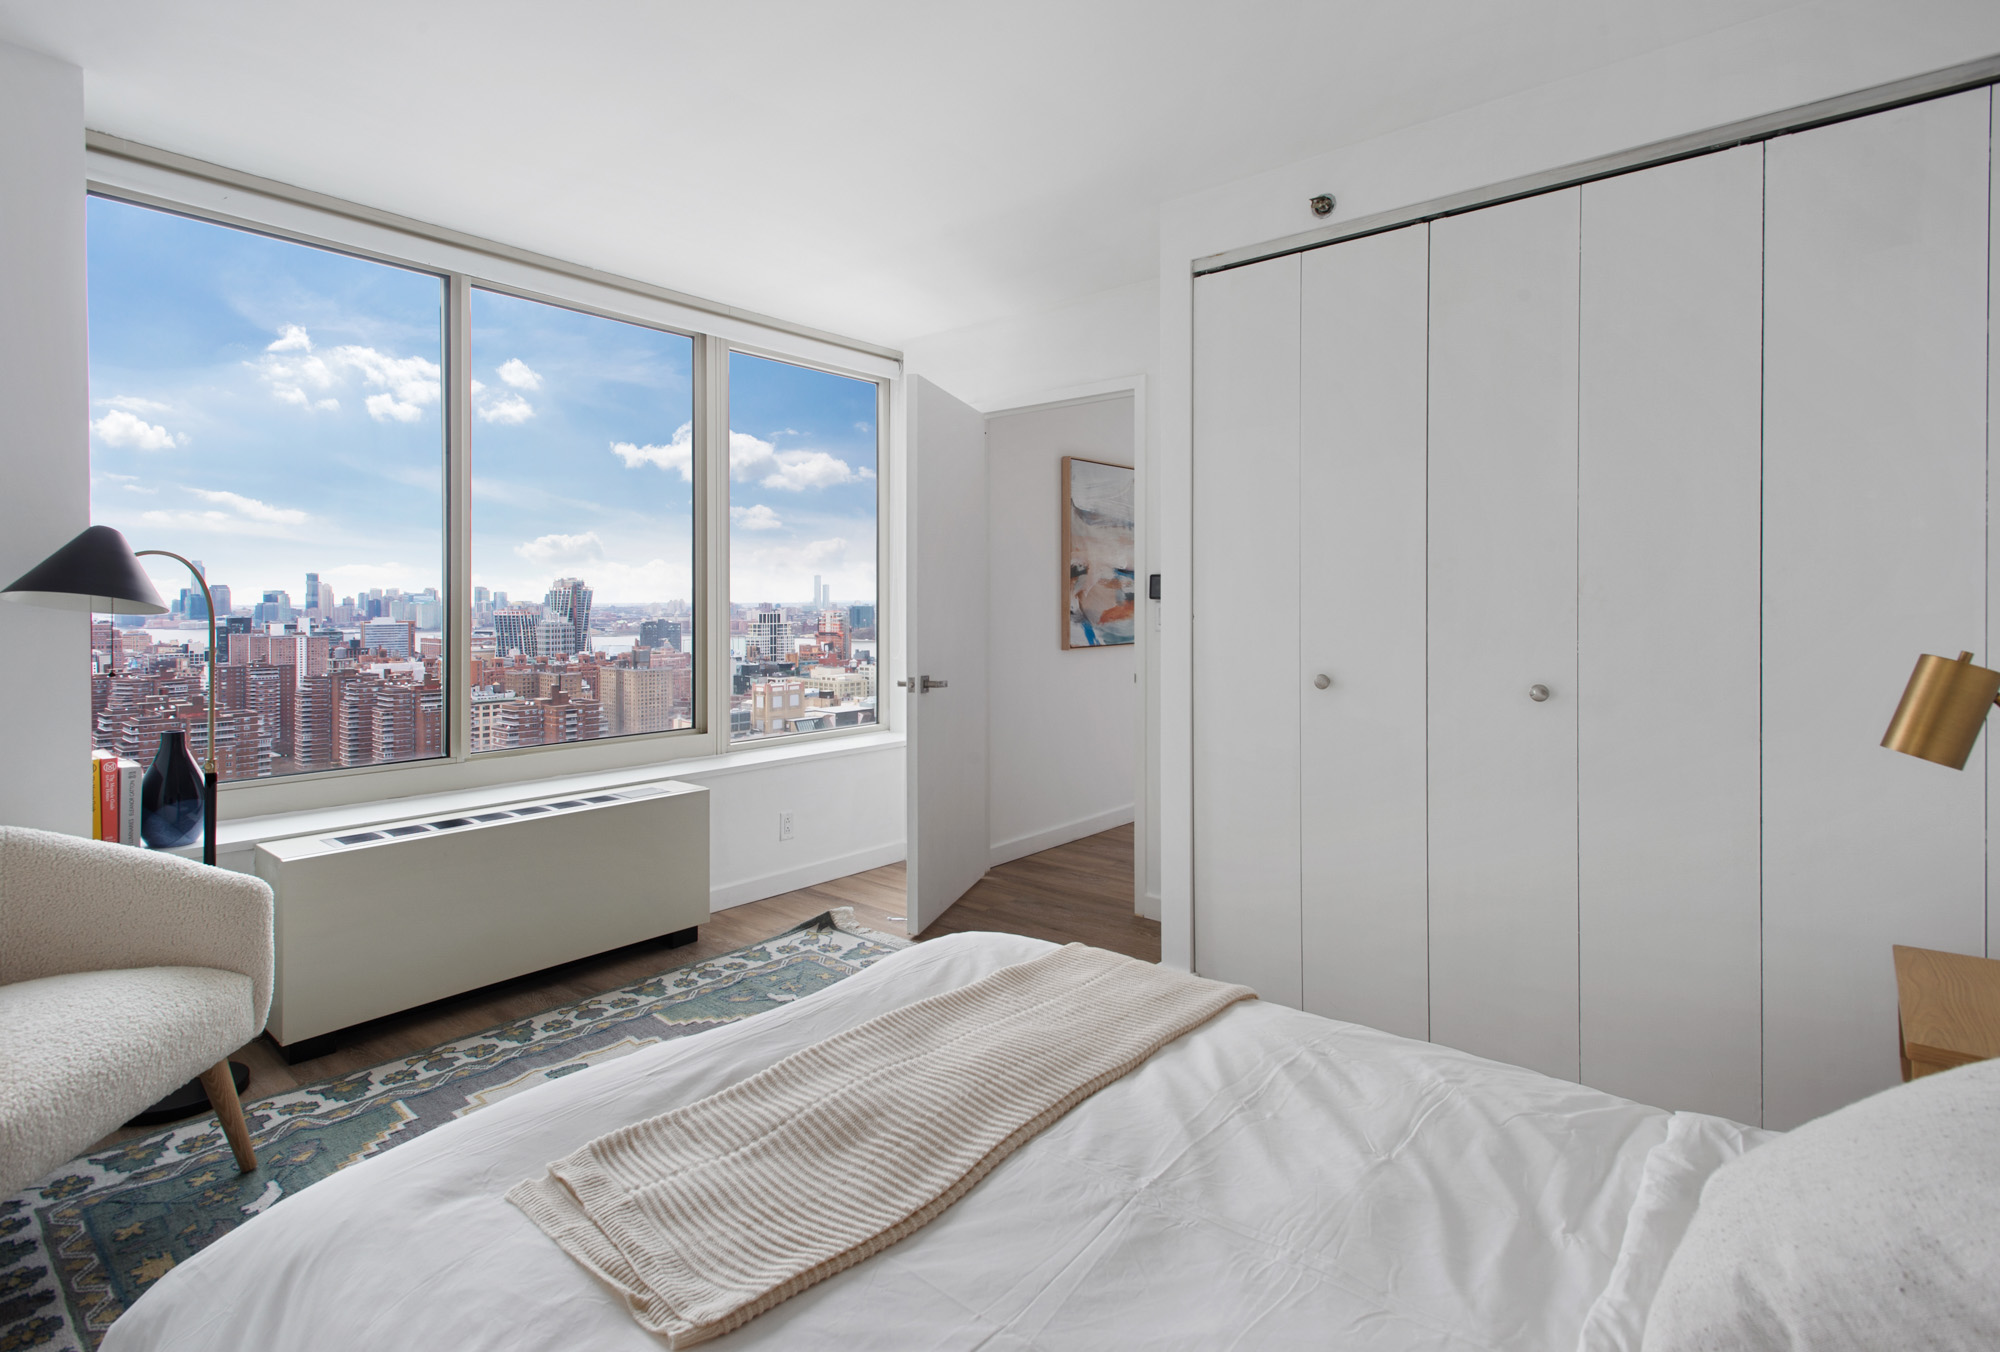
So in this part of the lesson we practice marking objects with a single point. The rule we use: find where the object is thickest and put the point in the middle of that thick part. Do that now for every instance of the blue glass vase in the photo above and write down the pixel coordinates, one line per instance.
(170, 804)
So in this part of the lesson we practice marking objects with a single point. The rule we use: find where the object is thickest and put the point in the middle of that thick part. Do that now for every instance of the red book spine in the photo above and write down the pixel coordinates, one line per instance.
(107, 799)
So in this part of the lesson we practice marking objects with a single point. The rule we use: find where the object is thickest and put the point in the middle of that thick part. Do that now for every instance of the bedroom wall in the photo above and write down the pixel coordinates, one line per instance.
(1777, 61)
(46, 466)
(1029, 359)
(1063, 754)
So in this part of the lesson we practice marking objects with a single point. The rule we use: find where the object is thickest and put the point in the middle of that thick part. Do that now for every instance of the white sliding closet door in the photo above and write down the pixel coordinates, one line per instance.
(1874, 551)
(1669, 446)
(1361, 504)
(1246, 627)
(1503, 314)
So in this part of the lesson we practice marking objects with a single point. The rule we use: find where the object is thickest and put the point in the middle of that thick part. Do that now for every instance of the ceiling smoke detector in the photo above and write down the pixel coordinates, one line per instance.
(1323, 204)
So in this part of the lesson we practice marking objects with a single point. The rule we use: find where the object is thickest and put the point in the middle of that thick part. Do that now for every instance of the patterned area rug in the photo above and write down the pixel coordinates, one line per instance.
(79, 1247)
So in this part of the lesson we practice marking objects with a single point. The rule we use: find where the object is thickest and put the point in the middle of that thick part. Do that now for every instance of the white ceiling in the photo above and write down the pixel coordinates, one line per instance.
(885, 170)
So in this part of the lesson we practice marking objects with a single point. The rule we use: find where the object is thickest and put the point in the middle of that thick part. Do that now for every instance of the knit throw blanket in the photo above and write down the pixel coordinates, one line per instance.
(704, 1217)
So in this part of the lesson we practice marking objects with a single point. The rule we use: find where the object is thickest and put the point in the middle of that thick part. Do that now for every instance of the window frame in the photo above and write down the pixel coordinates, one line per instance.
(162, 181)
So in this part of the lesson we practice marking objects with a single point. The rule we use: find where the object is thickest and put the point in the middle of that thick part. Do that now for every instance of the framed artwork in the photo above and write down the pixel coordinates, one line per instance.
(1099, 572)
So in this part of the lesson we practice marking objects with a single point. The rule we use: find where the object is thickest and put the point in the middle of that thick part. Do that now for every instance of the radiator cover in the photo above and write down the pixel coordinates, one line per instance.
(383, 918)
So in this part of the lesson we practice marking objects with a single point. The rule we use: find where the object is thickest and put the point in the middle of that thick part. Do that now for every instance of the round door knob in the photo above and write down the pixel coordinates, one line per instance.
(1322, 681)
(1538, 692)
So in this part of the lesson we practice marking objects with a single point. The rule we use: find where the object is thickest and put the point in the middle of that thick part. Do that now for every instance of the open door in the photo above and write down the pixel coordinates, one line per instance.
(946, 689)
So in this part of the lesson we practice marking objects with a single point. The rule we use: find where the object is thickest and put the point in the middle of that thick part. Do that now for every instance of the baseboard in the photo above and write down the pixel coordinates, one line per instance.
(804, 875)
(1020, 847)
(1149, 906)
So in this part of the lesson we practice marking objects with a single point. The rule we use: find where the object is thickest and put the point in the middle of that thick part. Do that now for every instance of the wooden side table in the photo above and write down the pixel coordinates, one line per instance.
(1948, 1009)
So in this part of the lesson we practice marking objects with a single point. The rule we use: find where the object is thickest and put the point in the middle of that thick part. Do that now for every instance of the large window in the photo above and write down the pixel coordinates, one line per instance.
(583, 623)
(271, 411)
(802, 508)
(447, 512)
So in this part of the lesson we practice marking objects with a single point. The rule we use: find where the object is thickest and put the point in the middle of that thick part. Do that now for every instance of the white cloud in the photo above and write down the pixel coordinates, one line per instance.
(756, 517)
(120, 428)
(133, 403)
(866, 429)
(409, 383)
(387, 408)
(511, 410)
(297, 380)
(478, 387)
(562, 551)
(251, 508)
(677, 454)
(299, 376)
(519, 374)
(232, 516)
(754, 459)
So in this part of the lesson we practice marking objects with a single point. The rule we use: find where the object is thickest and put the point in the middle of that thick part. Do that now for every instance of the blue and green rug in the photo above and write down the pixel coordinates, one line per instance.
(79, 1247)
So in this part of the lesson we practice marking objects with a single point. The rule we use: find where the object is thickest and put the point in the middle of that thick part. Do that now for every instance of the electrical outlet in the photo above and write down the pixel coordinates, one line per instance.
(784, 826)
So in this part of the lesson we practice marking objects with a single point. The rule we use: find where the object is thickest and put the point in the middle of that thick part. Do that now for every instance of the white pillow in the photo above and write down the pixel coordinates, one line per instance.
(1877, 1226)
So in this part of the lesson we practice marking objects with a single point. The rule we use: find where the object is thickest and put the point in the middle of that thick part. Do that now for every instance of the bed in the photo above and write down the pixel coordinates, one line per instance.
(1271, 1180)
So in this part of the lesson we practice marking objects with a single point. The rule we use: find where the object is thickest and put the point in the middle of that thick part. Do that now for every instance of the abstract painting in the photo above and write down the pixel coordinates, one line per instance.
(1099, 571)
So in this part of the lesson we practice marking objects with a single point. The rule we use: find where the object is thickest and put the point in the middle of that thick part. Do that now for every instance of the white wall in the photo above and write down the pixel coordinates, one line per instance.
(44, 462)
(1063, 755)
(1030, 359)
(1763, 65)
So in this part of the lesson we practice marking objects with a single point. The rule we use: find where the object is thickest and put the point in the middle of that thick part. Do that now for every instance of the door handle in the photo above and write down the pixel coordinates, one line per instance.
(921, 685)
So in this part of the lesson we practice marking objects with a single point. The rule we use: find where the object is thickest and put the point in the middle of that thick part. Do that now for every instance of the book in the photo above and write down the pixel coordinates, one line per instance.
(131, 778)
(103, 800)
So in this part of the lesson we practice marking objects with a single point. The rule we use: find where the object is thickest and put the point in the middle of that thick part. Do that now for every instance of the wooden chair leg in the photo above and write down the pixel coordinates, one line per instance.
(221, 1090)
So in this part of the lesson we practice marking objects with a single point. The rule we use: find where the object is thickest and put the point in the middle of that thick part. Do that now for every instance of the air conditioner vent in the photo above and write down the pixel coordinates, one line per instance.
(383, 834)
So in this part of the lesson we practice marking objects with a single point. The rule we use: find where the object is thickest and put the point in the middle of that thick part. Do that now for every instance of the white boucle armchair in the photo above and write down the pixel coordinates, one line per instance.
(123, 974)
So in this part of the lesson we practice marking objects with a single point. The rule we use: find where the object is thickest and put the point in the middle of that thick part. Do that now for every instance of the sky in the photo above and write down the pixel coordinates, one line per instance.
(274, 409)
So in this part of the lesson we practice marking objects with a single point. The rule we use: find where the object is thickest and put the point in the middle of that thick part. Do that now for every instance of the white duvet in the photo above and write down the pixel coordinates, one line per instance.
(1272, 1180)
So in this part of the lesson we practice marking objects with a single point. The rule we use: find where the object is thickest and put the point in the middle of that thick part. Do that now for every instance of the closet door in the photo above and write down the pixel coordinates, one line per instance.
(1361, 503)
(1502, 551)
(1667, 736)
(1246, 627)
(1874, 551)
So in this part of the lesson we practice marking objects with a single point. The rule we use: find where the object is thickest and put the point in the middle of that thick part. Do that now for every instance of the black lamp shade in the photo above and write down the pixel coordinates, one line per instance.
(96, 572)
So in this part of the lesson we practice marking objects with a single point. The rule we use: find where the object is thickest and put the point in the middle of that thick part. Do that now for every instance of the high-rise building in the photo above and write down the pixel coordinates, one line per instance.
(554, 637)
(569, 601)
(227, 625)
(482, 599)
(325, 599)
(771, 635)
(312, 592)
(275, 608)
(514, 632)
(660, 634)
(638, 699)
(398, 638)
(220, 591)
(861, 621)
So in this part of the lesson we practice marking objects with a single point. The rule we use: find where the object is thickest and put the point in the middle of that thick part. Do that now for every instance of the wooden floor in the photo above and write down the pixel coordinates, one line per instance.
(1080, 892)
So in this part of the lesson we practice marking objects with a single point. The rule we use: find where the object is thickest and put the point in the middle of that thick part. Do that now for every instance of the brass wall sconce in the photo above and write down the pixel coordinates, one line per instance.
(1944, 706)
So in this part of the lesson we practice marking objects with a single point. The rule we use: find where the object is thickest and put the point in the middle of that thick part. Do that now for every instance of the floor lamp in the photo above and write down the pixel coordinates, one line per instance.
(98, 573)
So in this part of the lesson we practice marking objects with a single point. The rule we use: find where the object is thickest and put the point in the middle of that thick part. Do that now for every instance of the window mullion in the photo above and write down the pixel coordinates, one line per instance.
(458, 513)
(712, 423)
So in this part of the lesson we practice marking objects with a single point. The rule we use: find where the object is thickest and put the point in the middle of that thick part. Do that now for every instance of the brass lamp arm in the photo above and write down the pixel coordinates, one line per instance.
(208, 604)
